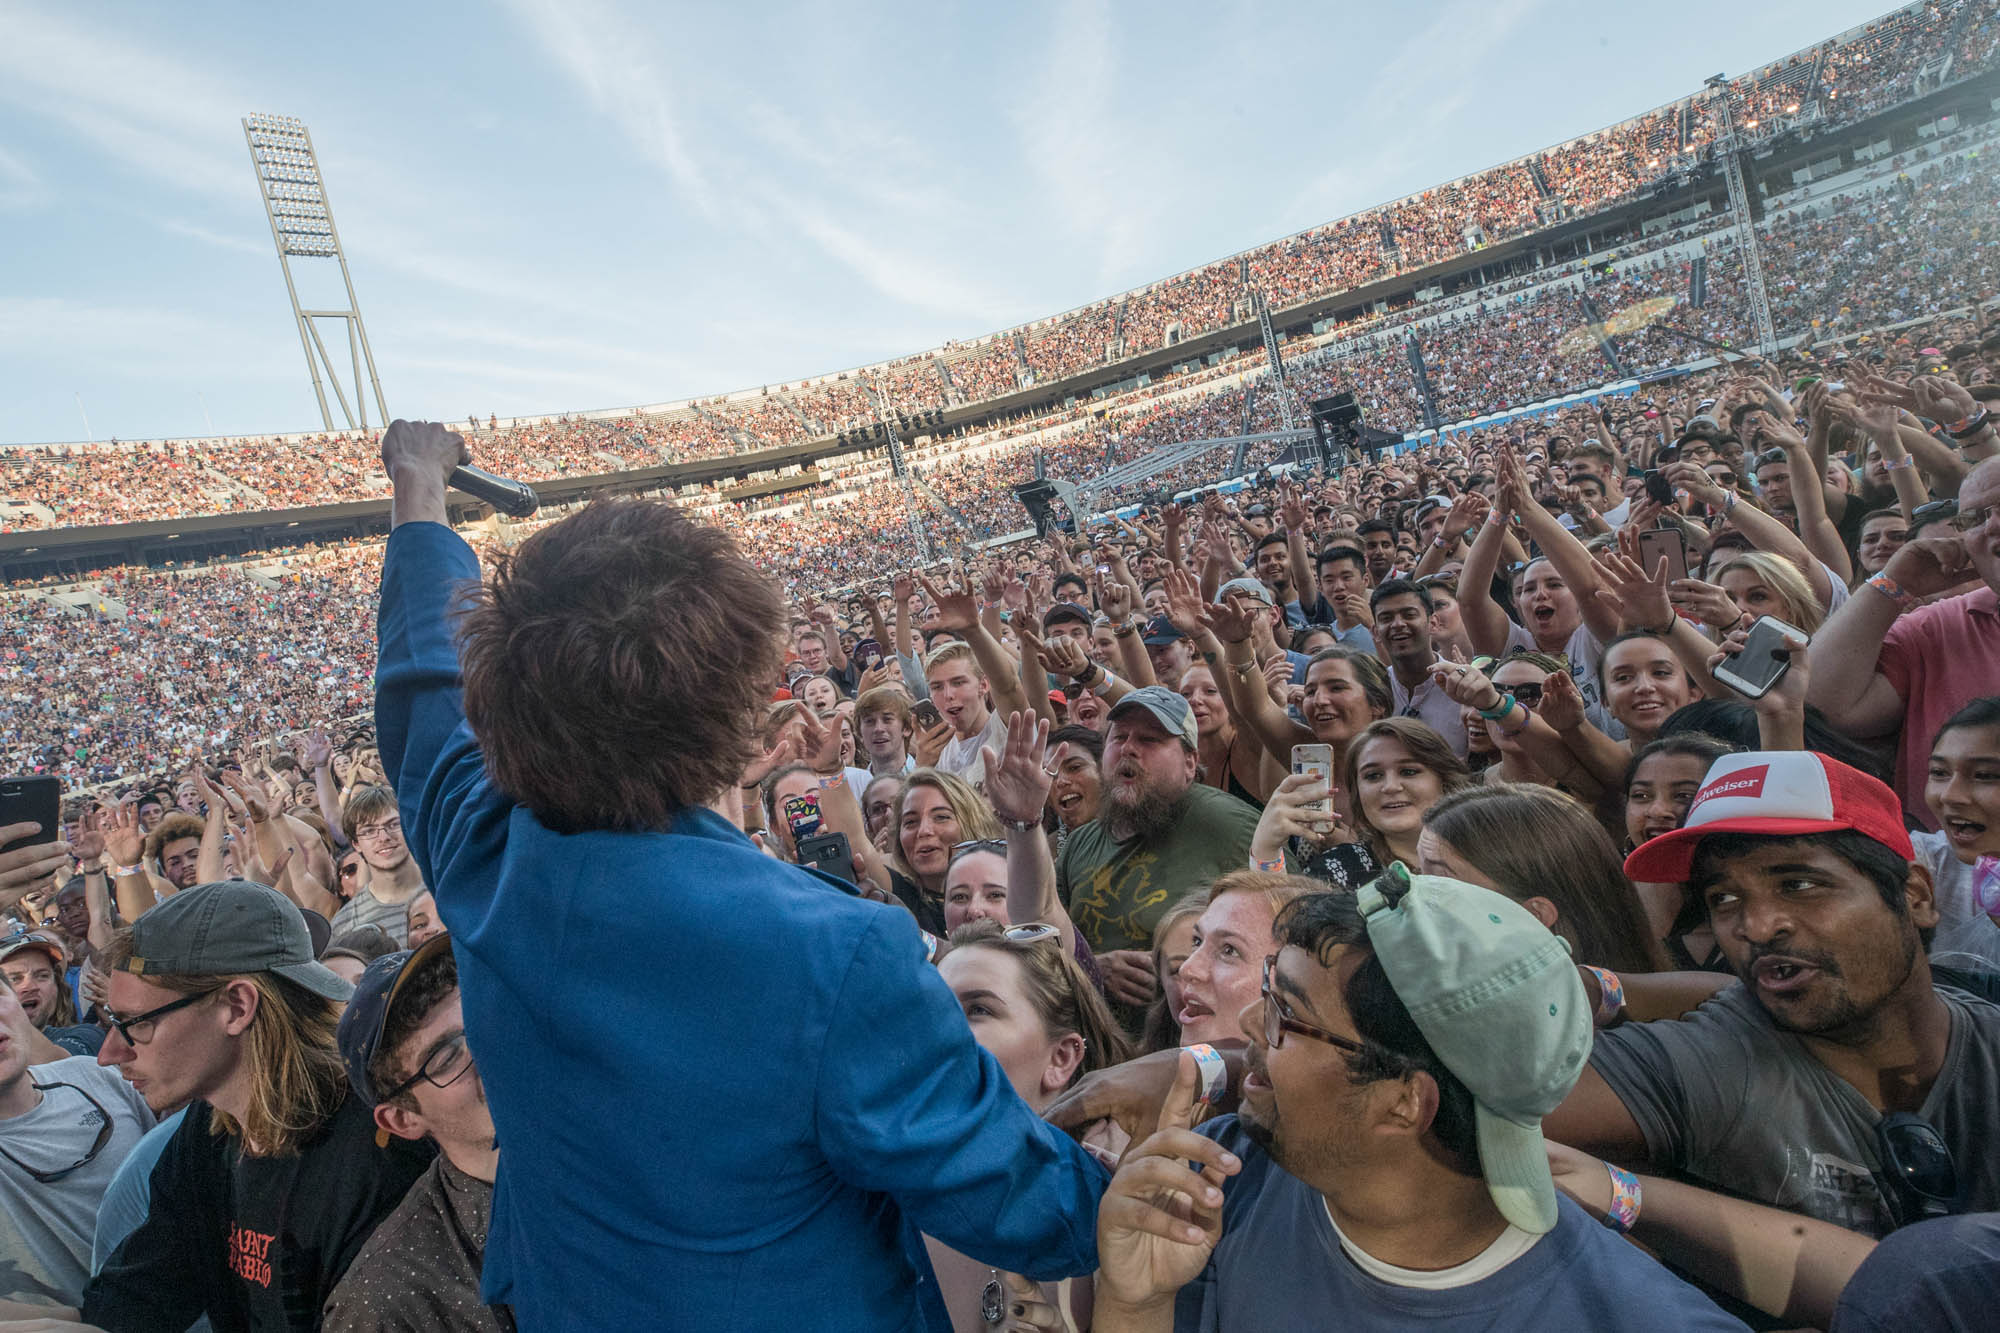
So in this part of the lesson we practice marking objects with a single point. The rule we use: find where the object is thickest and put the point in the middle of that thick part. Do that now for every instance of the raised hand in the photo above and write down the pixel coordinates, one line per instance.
(1562, 702)
(124, 840)
(1117, 599)
(25, 870)
(1788, 693)
(1184, 602)
(902, 588)
(1691, 478)
(1277, 671)
(1466, 685)
(957, 610)
(1467, 512)
(784, 752)
(1161, 1217)
(1711, 605)
(256, 802)
(318, 749)
(422, 448)
(819, 743)
(927, 746)
(87, 844)
(1293, 812)
(1017, 786)
(1228, 621)
(1941, 399)
(1639, 598)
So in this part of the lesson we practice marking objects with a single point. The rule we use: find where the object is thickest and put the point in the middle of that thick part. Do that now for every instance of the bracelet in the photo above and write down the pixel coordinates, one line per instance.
(1895, 465)
(1505, 730)
(1020, 826)
(1507, 702)
(1894, 591)
(1106, 680)
(1126, 631)
(122, 871)
(1267, 867)
(1610, 995)
(1214, 1073)
(1729, 503)
(1967, 427)
(1443, 543)
(1664, 630)
(1623, 1214)
(826, 781)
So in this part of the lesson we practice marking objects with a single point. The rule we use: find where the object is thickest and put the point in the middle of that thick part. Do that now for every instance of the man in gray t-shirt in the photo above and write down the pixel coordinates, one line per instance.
(1776, 1089)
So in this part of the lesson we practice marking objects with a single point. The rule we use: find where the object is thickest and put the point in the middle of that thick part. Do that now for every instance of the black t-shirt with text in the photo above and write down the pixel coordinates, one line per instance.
(255, 1243)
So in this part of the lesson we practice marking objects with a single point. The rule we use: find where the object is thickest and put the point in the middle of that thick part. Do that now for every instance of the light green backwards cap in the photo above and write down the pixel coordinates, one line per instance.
(1497, 997)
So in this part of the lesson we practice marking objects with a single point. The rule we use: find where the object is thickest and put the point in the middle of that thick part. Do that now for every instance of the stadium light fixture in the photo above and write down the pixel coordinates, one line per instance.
(302, 227)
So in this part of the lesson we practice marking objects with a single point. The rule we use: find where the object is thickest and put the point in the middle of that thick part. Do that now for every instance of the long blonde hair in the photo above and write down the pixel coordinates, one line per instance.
(975, 817)
(297, 1080)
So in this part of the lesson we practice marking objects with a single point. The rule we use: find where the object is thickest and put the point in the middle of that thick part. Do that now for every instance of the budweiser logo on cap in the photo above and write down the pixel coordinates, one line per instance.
(1744, 782)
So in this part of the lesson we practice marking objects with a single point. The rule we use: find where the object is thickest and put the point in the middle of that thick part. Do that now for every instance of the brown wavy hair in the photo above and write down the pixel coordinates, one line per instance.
(617, 665)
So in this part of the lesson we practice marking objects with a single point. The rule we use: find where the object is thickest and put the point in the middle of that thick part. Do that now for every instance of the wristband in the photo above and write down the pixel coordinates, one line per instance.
(1496, 518)
(122, 871)
(1507, 702)
(1986, 885)
(1025, 826)
(1610, 995)
(1105, 680)
(1126, 631)
(1444, 543)
(1623, 1214)
(1896, 465)
(1729, 503)
(1214, 1073)
(1276, 867)
(1892, 590)
(826, 780)
(1967, 427)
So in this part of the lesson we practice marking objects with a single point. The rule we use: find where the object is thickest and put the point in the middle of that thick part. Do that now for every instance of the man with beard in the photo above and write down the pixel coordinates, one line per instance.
(35, 966)
(1855, 1061)
(1387, 1156)
(1158, 833)
(1403, 639)
(402, 1038)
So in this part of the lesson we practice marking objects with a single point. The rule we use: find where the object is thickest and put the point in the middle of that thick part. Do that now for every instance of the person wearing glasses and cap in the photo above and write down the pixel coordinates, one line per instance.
(1873, 1084)
(402, 1038)
(65, 1125)
(1386, 1167)
(274, 1179)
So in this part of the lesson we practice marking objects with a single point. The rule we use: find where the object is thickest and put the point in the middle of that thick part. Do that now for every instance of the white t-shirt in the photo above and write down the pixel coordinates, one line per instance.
(961, 758)
(1964, 933)
(1586, 658)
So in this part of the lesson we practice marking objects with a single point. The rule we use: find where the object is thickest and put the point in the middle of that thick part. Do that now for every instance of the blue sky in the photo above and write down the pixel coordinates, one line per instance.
(568, 204)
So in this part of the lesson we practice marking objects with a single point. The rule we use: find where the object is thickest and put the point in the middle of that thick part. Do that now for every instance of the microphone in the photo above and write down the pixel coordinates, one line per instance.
(514, 498)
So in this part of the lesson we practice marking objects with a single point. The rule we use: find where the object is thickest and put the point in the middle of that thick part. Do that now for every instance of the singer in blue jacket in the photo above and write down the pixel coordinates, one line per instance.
(728, 1093)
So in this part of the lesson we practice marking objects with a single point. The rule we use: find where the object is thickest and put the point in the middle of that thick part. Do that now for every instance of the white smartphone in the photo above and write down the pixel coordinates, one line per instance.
(1765, 658)
(1317, 761)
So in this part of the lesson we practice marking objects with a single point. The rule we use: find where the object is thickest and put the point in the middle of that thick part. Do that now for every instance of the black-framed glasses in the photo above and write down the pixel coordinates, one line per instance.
(1279, 1019)
(1726, 480)
(443, 1067)
(138, 1030)
(1921, 1176)
(103, 1137)
(971, 845)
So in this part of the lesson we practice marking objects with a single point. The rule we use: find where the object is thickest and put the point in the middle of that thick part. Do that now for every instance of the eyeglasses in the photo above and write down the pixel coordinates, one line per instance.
(443, 1067)
(1724, 479)
(1279, 1019)
(1970, 520)
(103, 1137)
(1921, 1176)
(138, 1030)
(972, 845)
(393, 829)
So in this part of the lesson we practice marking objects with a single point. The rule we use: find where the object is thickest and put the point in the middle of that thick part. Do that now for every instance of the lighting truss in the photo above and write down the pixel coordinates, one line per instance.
(294, 195)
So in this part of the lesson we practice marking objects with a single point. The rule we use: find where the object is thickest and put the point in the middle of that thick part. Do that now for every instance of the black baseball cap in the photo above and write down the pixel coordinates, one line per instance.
(367, 1014)
(1065, 613)
(1160, 632)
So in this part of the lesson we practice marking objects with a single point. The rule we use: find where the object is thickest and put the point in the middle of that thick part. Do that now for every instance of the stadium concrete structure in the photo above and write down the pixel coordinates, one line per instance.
(1869, 95)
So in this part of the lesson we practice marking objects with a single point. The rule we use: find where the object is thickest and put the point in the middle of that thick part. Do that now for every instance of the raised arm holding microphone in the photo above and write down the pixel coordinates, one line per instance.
(732, 1093)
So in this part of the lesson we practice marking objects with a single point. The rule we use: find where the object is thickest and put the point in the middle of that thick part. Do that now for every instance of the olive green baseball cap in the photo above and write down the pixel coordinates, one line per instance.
(229, 928)
(1496, 995)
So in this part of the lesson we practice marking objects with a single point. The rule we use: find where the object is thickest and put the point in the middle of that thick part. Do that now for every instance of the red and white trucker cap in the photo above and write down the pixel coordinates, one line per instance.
(1780, 793)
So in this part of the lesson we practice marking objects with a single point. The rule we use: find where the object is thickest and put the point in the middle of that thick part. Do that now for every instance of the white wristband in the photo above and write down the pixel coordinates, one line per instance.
(1214, 1073)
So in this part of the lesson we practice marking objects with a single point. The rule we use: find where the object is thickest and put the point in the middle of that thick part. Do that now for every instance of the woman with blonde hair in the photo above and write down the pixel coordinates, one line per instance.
(1034, 1010)
(936, 813)
(1762, 584)
(1224, 971)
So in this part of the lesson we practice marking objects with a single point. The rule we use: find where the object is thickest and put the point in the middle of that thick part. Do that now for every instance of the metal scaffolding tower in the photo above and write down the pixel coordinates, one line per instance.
(1278, 383)
(1739, 200)
(294, 194)
(901, 472)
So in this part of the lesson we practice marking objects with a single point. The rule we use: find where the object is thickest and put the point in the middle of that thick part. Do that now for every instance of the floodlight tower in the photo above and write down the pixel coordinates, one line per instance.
(1739, 201)
(294, 194)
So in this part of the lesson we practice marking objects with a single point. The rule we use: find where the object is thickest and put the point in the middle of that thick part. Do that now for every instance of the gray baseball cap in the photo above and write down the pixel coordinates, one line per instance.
(229, 927)
(1254, 589)
(1168, 709)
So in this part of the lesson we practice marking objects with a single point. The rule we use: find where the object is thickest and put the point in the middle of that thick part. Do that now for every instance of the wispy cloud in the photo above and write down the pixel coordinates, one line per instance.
(21, 187)
(239, 244)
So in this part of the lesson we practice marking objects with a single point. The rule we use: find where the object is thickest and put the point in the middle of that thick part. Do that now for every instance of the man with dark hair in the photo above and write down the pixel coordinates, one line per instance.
(1343, 597)
(1158, 833)
(1392, 1168)
(374, 828)
(1378, 545)
(1839, 1038)
(1271, 561)
(1403, 638)
(174, 846)
(614, 673)
(402, 1038)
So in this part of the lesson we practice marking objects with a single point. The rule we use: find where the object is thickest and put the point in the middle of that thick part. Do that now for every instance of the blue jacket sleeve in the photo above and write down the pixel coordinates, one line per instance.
(428, 751)
(910, 1105)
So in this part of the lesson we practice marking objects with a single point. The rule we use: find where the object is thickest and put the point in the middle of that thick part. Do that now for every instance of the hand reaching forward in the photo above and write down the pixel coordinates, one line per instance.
(1017, 786)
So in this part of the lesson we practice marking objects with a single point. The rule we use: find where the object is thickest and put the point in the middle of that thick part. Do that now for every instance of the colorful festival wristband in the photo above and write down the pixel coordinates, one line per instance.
(1268, 867)
(1623, 1214)
(1214, 1073)
(1610, 995)
(1892, 590)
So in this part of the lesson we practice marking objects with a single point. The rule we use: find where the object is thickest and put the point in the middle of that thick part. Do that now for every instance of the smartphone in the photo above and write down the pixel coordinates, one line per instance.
(1658, 487)
(33, 799)
(1764, 660)
(1670, 542)
(868, 652)
(802, 815)
(1316, 761)
(829, 854)
(927, 715)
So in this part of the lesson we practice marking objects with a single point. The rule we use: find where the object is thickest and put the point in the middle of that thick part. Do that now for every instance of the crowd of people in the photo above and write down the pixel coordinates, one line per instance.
(1372, 895)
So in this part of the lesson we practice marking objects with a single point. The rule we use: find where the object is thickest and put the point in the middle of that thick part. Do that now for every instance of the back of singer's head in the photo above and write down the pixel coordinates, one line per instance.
(617, 664)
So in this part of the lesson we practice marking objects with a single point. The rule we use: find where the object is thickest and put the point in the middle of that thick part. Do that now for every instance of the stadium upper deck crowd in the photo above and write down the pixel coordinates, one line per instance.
(1574, 864)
